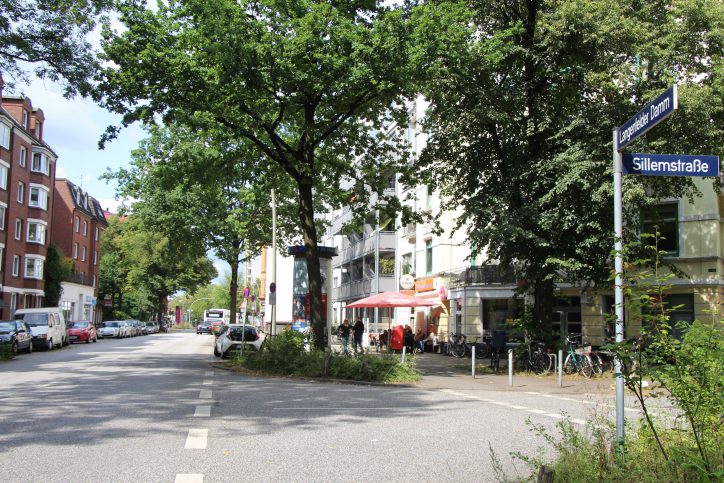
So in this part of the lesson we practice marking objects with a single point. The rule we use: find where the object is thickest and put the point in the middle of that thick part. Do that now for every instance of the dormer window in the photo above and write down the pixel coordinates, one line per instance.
(25, 119)
(40, 164)
(38, 129)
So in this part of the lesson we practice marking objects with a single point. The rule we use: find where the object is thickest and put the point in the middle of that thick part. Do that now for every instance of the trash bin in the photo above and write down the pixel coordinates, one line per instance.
(397, 340)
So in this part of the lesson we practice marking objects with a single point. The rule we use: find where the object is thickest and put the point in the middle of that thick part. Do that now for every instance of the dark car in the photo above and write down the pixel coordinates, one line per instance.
(16, 333)
(203, 327)
(82, 331)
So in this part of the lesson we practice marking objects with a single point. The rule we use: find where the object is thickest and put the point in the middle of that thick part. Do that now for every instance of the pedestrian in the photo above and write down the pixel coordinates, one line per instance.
(420, 341)
(359, 330)
(383, 338)
(344, 332)
(409, 339)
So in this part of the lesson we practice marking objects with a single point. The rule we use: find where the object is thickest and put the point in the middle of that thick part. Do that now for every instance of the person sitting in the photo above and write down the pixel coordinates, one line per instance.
(420, 341)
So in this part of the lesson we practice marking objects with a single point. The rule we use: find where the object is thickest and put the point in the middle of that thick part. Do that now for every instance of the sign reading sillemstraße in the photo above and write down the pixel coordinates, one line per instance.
(670, 164)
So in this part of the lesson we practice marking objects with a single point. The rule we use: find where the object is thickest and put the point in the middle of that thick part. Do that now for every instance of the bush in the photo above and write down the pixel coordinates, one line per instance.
(6, 352)
(286, 354)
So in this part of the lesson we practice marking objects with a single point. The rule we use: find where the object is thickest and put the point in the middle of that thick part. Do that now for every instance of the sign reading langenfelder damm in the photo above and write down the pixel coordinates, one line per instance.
(653, 113)
(670, 164)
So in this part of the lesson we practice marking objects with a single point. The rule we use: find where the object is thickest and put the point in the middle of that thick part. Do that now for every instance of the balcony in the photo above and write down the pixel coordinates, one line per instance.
(364, 288)
(365, 247)
(80, 279)
(484, 275)
(410, 232)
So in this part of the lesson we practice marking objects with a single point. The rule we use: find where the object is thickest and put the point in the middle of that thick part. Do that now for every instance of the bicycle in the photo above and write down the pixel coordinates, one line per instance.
(456, 345)
(577, 359)
(537, 359)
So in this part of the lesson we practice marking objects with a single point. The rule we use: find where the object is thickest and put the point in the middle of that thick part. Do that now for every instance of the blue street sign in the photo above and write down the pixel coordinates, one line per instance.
(670, 164)
(653, 113)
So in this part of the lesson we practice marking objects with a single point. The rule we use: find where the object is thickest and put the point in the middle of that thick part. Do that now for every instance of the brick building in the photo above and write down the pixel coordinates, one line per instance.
(77, 224)
(27, 171)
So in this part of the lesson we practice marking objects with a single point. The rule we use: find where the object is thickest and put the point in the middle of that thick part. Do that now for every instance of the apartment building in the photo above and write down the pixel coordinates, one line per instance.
(78, 222)
(27, 172)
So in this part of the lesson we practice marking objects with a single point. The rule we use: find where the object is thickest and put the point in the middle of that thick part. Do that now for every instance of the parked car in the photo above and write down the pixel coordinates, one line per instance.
(217, 326)
(230, 339)
(203, 327)
(115, 328)
(82, 331)
(17, 334)
(152, 327)
(47, 326)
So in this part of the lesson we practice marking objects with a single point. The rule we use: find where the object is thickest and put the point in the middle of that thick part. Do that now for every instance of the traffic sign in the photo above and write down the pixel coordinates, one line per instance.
(272, 287)
(653, 113)
(272, 298)
(670, 164)
(246, 292)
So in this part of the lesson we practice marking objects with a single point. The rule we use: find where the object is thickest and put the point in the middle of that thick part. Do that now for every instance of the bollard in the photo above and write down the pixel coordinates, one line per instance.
(560, 368)
(403, 354)
(472, 350)
(510, 367)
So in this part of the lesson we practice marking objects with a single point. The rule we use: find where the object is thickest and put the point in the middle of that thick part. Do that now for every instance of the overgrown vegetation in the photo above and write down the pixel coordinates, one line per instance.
(288, 354)
(685, 362)
(6, 352)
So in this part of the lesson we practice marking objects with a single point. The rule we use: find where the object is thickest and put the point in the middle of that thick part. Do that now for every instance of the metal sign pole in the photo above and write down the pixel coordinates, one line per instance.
(618, 248)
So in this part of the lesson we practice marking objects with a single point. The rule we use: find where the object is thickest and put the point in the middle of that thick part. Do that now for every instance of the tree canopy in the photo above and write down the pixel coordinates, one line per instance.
(524, 97)
(310, 84)
(49, 37)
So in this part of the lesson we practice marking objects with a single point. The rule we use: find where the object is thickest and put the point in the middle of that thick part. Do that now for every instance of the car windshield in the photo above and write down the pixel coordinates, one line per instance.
(110, 324)
(34, 320)
(78, 325)
(6, 327)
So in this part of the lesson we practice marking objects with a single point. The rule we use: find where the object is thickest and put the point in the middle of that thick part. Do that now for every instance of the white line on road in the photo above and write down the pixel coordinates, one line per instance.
(579, 421)
(536, 411)
(209, 373)
(202, 411)
(208, 382)
(196, 438)
(189, 478)
(205, 394)
(553, 415)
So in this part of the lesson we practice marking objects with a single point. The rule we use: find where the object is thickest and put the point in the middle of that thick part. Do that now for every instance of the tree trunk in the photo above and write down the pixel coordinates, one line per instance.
(160, 309)
(543, 307)
(233, 288)
(314, 276)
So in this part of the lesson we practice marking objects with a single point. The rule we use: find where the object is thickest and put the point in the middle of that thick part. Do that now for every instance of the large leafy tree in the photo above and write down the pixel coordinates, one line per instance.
(49, 37)
(306, 82)
(218, 189)
(524, 97)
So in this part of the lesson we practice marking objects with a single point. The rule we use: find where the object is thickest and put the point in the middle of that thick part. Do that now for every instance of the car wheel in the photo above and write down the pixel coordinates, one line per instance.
(216, 352)
(50, 345)
(29, 350)
(95, 339)
(15, 348)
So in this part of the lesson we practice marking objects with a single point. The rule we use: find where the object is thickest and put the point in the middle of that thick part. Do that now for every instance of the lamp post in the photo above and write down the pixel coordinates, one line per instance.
(192, 304)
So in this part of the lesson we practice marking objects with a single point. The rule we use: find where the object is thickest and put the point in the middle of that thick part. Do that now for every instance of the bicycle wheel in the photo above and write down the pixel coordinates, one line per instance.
(585, 366)
(482, 351)
(540, 362)
(597, 363)
(458, 350)
(569, 366)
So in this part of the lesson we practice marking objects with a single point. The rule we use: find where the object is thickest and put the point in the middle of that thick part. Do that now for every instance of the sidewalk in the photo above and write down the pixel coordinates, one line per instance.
(441, 371)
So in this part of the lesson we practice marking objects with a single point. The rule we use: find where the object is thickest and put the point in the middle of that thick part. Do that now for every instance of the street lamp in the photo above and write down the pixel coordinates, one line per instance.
(192, 304)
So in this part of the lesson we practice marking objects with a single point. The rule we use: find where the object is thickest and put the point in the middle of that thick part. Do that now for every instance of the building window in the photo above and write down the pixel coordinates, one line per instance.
(23, 156)
(77, 224)
(38, 197)
(25, 119)
(16, 265)
(428, 257)
(85, 228)
(2, 252)
(75, 250)
(95, 258)
(34, 267)
(3, 209)
(407, 268)
(4, 135)
(21, 192)
(36, 231)
(41, 164)
(664, 219)
(96, 235)
(18, 228)
(82, 257)
(38, 129)
(4, 175)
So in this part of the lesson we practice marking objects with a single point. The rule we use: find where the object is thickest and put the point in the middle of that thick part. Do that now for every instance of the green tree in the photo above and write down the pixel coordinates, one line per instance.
(524, 97)
(49, 36)
(57, 270)
(308, 83)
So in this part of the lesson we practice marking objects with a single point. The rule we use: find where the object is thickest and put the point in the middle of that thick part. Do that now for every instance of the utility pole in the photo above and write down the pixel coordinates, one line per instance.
(273, 274)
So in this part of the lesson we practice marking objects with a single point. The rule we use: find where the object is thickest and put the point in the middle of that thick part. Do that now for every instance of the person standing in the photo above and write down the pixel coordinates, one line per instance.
(344, 332)
(359, 330)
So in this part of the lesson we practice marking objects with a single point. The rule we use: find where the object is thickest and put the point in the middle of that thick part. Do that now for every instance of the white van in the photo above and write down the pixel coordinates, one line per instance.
(47, 325)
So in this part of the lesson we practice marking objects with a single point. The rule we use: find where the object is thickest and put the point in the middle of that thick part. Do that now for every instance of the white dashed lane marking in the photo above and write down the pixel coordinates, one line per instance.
(205, 394)
(208, 373)
(197, 438)
(189, 478)
(202, 411)
(208, 382)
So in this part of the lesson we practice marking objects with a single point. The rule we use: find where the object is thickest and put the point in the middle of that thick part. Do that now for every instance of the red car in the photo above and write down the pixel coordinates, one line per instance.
(82, 331)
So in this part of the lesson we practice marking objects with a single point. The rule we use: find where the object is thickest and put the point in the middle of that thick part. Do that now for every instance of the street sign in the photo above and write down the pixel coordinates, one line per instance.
(246, 292)
(670, 164)
(107, 301)
(272, 298)
(653, 113)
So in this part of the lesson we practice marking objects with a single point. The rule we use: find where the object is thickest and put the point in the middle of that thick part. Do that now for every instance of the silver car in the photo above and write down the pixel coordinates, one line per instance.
(115, 328)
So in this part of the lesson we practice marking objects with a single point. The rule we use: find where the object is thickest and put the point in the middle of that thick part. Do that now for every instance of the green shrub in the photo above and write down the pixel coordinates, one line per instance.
(6, 352)
(286, 354)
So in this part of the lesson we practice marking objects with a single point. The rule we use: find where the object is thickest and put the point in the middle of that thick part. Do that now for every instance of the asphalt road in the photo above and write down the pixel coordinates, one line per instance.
(153, 409)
